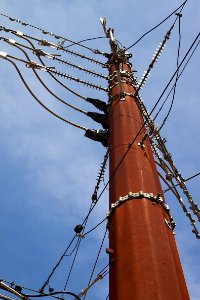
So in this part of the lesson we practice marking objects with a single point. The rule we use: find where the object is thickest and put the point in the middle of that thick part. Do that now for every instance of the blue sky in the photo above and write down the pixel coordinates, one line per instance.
(49, 169)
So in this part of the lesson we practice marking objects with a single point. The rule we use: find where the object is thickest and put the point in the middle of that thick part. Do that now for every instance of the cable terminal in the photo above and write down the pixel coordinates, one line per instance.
(3, 54)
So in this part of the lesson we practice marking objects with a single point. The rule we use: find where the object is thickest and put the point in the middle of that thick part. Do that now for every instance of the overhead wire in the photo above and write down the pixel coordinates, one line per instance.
(42, 82)
(46, 32)
(87, 40)
(21, 295)
(64, 254)
(73, 262)
(99, 276)
(40, 102)
(54, 293)
(40, 52)
(58, 81)
(89, 231)
(50, 69)
(183, 69)
(180, 7)
(96, 261)
(52, 45)
(177, 76)
(187, 179)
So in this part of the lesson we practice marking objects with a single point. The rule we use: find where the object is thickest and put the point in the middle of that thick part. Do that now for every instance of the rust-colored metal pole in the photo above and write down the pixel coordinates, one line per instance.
(144, 261)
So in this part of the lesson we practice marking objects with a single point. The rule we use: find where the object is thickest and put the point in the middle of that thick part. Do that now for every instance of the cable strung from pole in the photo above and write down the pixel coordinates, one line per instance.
(87, 40)
(180, 7)
(178, 79)
(177, 76)
(50, 69)
(42, 82)
(84, 223)
(89, 231)
(100, 176)
(155, 58)
(54, 293)
(73, 262)
(96, 102)
(56, 36)
(189, 178)
(99, 276)
(96, 261)
(40, 102)
(58, 81)
(17, 292)
(40, 52)
(51, 45)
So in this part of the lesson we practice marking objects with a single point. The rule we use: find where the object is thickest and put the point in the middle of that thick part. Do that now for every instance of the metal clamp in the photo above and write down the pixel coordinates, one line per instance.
(154, 198)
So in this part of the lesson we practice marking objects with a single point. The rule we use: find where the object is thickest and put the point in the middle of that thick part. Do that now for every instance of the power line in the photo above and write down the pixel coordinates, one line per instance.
(89, 231)
(61, 83)
(39, 52)
(178, 79)
(56, 36)
(177, 75)
(97, 258)
(42, 82)
(46, 43)
(189, 178)
(40, 102)
(86, 40)
(35, 65)
(181, 6)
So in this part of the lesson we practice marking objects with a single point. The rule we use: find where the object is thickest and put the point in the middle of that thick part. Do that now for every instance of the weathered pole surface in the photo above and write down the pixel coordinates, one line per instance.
(144, 261)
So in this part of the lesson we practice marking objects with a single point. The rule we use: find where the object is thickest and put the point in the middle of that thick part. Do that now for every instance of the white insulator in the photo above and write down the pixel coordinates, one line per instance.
(11, 41)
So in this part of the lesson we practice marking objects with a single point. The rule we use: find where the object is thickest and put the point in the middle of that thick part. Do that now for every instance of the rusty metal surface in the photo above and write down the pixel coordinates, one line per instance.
(144, 263)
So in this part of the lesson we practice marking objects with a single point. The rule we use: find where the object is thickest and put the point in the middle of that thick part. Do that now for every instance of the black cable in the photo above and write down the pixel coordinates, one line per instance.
(178, 79)
(52, 294)
(84, 223)
(57, 80)
(73, 262)
(181, 6)
(177, 76)
(189, 178)
(95, 227)
(46, 32)
(97, 258)
(58, 263)
(86, 40)
(45, 86)
(41, 103)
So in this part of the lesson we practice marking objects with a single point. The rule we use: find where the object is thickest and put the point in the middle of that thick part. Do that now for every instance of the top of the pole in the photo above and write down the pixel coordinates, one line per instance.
(118, 53)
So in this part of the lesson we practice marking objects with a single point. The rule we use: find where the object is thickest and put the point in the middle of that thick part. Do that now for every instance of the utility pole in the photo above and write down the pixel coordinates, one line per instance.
(144, 261)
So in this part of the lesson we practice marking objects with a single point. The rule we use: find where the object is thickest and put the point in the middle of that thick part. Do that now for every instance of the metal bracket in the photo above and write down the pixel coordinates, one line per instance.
(154, 198)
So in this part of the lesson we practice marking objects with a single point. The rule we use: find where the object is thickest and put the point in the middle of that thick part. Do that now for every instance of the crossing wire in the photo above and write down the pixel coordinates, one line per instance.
(152, 29)
(41, 103)
(189, 178)
(97, 258)
(39, 52)
(184, 67)
(44, 85)
(58, 81)
(56, 36)
(177, 75)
